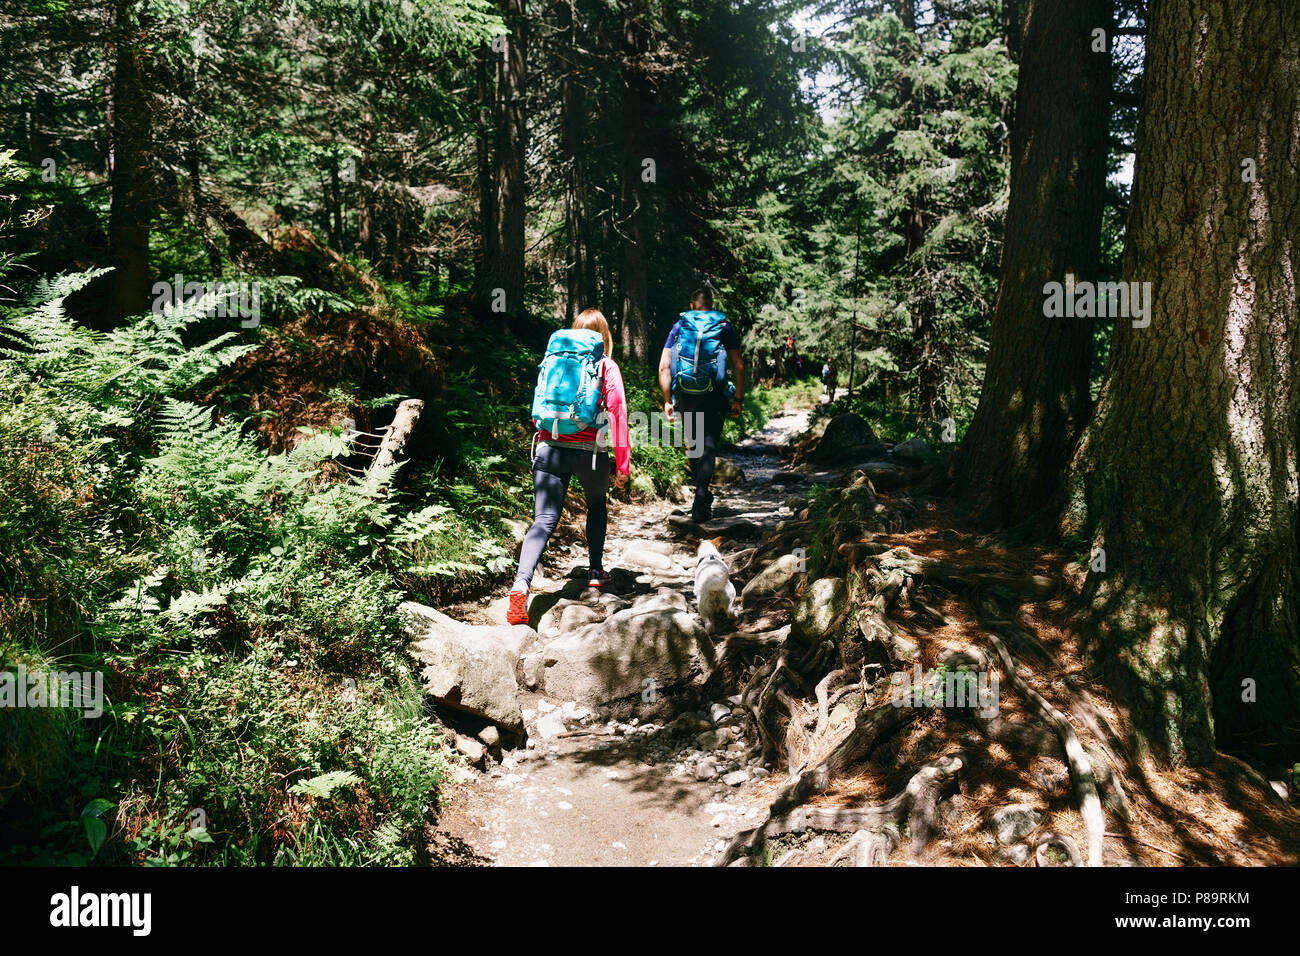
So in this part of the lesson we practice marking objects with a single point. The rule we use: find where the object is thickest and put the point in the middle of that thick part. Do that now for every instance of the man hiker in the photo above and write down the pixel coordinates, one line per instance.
(830, 378)
(693, 379)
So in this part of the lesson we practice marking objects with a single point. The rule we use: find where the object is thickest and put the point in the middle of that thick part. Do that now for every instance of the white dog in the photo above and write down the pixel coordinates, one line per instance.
(714, 592)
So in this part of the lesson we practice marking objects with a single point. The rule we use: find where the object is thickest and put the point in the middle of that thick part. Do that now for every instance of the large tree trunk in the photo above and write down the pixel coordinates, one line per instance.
(131, 205)
(501, 280)
(634, 332)
(1187, 475)
(1035, 396)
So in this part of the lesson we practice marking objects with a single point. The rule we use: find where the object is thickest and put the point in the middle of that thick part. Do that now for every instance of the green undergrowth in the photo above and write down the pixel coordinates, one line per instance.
(241, 607)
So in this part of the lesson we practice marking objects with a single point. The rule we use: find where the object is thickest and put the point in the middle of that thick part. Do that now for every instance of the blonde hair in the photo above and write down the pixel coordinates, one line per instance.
(594, 320)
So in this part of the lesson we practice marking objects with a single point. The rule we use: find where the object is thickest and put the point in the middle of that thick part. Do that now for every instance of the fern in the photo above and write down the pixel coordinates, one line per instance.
(325, 785)
(109, 378)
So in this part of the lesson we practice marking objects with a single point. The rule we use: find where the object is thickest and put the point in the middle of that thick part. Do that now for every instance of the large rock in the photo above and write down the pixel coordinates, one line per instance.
(575, 616)
(467, 667)
(654, 640)
(847, 438)
(817, 610)
(773, 578)
(915, 450)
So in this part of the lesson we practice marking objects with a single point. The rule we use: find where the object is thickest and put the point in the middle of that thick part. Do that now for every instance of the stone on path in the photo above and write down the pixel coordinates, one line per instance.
(654, 643)
(471, 748)
(914, 450)
(773, 578)
(550, 725)
(468, 667)
(726, 472)
(1014, 822)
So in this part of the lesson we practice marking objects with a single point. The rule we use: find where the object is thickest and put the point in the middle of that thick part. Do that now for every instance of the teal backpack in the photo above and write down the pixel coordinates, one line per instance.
(699, 360)
(568, 394)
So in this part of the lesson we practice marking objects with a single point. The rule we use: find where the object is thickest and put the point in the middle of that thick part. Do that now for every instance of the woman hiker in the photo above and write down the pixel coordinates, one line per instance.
(585, 455)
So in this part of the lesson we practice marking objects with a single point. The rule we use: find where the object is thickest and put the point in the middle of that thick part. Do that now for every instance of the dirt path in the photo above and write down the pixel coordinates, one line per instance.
(672, 781)
(630, 791)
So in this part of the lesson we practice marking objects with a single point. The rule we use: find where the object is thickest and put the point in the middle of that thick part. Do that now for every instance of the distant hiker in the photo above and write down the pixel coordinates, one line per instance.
(579, 402)
(693, 379)
(791, 358)
(831, 379)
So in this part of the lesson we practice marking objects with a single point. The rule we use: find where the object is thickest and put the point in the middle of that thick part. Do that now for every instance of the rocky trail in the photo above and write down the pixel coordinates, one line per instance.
(627, 787)
(617, 730)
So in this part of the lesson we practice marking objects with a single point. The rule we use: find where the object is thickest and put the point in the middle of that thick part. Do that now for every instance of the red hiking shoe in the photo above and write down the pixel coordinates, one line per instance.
(517, 613)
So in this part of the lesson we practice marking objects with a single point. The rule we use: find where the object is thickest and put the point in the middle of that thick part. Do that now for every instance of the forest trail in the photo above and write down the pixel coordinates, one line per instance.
(626, 743)
(629, 791)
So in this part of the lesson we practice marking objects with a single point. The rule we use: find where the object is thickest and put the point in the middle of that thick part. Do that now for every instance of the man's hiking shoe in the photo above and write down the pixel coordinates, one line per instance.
(517, 613)
(598, 578)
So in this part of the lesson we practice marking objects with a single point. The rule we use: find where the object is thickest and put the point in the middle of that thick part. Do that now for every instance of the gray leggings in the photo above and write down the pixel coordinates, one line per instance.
(551, 470)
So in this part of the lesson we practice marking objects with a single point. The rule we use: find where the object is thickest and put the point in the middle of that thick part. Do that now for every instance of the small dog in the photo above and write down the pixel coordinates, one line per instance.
(714, 592)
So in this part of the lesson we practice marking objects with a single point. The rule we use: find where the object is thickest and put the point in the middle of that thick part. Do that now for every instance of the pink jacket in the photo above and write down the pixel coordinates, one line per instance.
(611, 383)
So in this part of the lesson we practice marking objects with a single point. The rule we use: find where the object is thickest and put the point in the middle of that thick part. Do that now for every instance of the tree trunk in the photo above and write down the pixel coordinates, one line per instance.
(580, 283)
(499, 291)
(634, 332)
(929, 375)
(1035, 395)
(1187, 474)
(367, 225)
(131, 206)
(487, 122)
(194, 165)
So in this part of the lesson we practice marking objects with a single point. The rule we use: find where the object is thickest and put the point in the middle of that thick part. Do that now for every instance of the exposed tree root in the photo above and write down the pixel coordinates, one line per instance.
(915, 805)
(1051, 839)
(1085, 784)
(890, 584)
(869, 848)
(823, 701)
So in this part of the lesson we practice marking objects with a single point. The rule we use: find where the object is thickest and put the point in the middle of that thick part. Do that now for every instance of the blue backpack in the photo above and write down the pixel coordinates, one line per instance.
(699, 360)
(568, 394)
